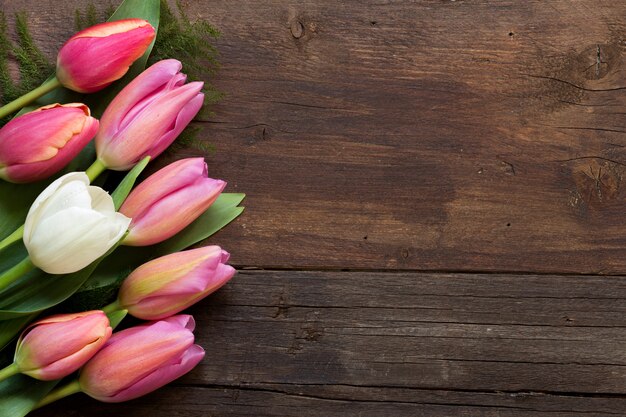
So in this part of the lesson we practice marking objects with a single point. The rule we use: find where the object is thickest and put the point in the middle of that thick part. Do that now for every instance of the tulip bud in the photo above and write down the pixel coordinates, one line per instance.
(38, 144)
(95, 57)
(168, 201)
(147, 115)
(171, 283)
(141, 359)
(58, 345)
(71, 224)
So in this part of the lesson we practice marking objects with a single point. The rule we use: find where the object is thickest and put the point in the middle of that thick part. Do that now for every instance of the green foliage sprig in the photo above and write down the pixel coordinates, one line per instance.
(32, 63)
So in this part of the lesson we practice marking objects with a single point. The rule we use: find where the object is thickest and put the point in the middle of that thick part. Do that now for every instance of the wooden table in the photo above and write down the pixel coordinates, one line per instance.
(436, 211)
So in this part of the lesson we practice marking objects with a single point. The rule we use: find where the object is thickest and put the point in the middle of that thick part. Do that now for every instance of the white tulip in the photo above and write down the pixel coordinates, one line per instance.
(71, 224)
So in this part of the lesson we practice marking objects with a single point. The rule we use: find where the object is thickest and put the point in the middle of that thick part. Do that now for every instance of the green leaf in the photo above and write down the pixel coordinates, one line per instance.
(9, 329)
(124, 188)
(20, 393)
(222, 212)
(15, 200)
(38, 291)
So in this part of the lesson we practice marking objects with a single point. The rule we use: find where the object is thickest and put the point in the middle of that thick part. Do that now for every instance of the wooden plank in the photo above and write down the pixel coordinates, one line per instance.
(318, 401)
(421, 135)
(321, 343)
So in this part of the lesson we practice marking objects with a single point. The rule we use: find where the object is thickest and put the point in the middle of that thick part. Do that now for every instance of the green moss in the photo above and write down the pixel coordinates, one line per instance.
(33, 65)
(188, 139)
(78, 20)
(7, 86)
(92, 15)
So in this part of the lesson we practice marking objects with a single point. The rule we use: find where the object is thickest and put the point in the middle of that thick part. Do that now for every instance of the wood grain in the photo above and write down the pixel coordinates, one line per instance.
(315, 344)
(422, 135)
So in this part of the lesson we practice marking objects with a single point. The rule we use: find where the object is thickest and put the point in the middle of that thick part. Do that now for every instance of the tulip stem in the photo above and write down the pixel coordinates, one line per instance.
(13, 274)
(27, 98)
(111, 308)
(95, 170)
(9, 371)
(69, 389)
(12, 238)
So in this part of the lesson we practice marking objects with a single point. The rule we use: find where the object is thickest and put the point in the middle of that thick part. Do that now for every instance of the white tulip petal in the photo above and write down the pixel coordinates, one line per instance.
(72, 194)
(71, 224)
(101, 201)
(69, 240)
(119, 221)
(34, 213)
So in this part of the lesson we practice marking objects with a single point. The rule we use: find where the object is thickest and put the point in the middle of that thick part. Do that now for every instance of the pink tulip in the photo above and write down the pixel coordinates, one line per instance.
(147, 115)
(95, 57)
(168, 201)
(58, 345)
(40, 143)
(141, 359)
(168, 285)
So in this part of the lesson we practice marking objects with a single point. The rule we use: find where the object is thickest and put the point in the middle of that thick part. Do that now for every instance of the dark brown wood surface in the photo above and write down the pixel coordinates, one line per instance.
(435, 192)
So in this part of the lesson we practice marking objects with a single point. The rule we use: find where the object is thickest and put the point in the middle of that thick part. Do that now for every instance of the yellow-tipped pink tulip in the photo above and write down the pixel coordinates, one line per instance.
(147, 115)
(38, 144)
(171, 283)
(55, 347)
(141, 359)
(168, 201)
(95, 57)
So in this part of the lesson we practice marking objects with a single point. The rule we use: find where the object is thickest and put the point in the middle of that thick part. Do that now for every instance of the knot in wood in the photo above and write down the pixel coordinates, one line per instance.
(297, 29)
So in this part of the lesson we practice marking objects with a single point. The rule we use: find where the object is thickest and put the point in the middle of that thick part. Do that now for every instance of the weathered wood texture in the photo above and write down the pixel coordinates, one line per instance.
(396, 136)
(429, 135)
(376, 344)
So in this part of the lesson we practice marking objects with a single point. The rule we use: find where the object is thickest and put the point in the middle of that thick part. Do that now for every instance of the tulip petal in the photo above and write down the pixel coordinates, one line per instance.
(34, 213)
(65, 366)
(58, 345)
(133, 113)
(140, 352)
(169, 284)
(185, 116)
(188, 203)
(149, 278)
(40, 143)
(61, 249)
(105, 29)
(101, 201)
(185, 321)
(148, 83)
(95, 57)
(34, 171)
(173, 299)
(38, 135)
(173, 177)
(72, 194)
(162, 376)
(154, 121)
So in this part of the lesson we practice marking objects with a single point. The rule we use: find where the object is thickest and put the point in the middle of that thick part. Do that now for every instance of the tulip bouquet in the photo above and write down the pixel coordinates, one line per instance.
(64, 236)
